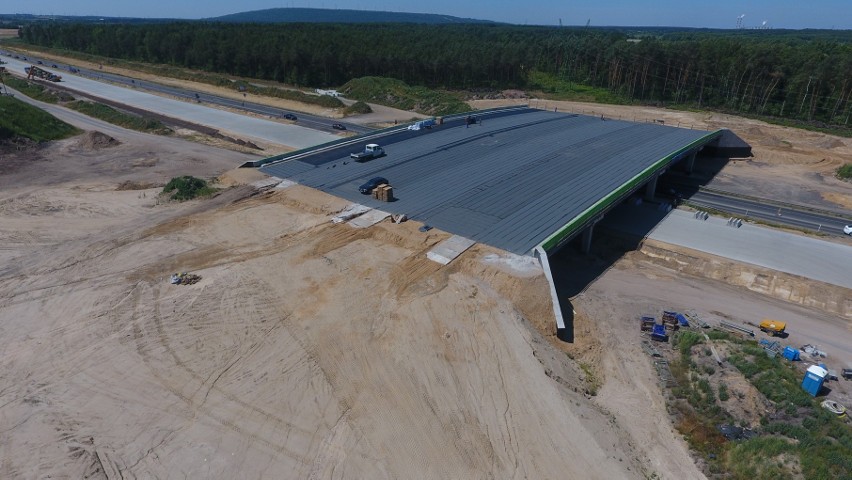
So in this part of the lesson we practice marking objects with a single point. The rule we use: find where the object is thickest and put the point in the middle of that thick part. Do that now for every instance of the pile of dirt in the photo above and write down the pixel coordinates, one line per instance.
(94, 140)
(830, 142)
(17, 144)
(131, 185)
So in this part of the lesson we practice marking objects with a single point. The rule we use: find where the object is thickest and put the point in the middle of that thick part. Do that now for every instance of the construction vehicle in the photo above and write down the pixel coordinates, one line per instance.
(33, 72)
(370, 152)
(772, 327)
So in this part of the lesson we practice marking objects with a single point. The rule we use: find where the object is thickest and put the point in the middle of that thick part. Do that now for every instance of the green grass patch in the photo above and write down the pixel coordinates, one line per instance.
(115, 117)
(31, 89)
(22, 119)
(397, 94)
(799, 439)
(684, 340)
(324, 101)
(555, 88)
(845, 172)
(776, 380)
(187, 188)
(592, 380)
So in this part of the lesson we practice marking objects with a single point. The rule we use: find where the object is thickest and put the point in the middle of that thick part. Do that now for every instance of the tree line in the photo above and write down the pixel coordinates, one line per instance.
(804, 75)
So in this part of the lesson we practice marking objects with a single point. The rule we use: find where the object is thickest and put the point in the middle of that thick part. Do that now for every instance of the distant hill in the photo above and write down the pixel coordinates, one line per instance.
(320, 15)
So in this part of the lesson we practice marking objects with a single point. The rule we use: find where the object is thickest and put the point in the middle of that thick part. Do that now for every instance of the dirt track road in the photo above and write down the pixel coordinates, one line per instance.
(293, 356)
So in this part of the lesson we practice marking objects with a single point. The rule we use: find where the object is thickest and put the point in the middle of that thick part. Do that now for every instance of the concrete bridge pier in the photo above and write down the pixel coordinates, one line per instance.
(690, 162)
(586, 240)
(651, 188)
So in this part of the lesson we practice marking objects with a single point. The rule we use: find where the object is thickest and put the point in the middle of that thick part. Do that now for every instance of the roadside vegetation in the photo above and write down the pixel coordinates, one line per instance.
(21, 119)
(31, 89)
(187, 188)
(357, 108)
(92, 109)
(791, 436)
(845, 172)
(115, 117)
(397, 94)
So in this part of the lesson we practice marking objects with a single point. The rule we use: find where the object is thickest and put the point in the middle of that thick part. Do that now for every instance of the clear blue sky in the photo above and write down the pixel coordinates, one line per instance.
(679, 13)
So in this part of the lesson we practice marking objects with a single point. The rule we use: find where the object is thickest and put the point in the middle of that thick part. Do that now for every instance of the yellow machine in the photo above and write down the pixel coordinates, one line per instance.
(772, 327)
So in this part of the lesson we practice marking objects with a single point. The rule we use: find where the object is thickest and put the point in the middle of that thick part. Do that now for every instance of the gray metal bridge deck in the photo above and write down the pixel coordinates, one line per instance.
(511, 182)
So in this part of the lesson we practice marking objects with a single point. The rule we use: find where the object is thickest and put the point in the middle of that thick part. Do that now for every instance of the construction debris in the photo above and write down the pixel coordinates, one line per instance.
(351, 211)
(813, 351)
(834, 408)
(184, 278)
(696, 319)
(732, 432)
(713, 350)
(772, 348)
(666, 377)
(730, 327)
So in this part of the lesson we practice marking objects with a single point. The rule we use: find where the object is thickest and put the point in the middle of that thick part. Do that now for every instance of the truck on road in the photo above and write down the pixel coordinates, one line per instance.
(34, 71)
(773, 327)
(370, 152)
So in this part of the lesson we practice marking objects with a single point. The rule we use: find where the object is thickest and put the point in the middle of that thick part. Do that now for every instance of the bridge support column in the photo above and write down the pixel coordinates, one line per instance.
(586, 240)
(651, 188)
(690, 162)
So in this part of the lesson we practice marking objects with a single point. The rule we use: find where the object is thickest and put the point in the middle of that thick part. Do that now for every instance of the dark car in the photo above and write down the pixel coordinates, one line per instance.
(290, 116)
(338, 126)
(372, 183)
(54, 66)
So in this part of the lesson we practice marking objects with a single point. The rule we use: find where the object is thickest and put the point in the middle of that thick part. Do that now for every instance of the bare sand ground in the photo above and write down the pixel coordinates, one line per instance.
(308, 349)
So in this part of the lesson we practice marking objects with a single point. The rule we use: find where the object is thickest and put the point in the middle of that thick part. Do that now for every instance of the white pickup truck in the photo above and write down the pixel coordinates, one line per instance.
(370, 151)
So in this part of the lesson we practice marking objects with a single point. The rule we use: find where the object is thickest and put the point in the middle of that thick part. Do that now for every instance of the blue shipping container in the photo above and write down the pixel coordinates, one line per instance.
(682, 320)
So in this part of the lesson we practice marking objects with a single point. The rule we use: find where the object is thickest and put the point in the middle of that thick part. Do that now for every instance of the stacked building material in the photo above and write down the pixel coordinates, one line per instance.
(383, 192)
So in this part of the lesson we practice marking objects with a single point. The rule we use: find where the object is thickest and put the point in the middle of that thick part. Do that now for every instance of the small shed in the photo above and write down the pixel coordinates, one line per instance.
(814, 378)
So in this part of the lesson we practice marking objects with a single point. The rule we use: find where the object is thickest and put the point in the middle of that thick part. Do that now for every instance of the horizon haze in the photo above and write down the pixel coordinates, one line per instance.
(787, 14)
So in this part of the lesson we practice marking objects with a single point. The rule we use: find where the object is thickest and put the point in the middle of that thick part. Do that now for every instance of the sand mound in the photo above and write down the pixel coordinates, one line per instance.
(132, 185)
(830, 142)
(95, 140)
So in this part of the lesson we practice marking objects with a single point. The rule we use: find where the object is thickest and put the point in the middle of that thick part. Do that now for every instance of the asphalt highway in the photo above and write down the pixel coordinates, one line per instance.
(307, 130)
(806, 256)
(771, 212)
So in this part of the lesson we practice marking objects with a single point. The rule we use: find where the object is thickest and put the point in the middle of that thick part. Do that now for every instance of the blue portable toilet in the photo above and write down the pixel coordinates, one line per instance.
(791, 353)
(814, 378)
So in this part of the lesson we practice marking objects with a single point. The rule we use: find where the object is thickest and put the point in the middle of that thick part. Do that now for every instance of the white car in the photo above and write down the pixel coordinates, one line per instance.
(847, 229)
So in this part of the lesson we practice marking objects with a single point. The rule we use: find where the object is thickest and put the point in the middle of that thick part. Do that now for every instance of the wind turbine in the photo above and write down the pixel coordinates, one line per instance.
(740, 21)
